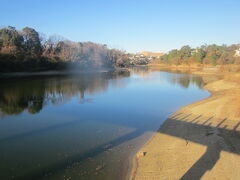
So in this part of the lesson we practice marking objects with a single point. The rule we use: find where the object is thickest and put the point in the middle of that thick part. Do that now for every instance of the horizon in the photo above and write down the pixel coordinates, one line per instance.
(134, 26)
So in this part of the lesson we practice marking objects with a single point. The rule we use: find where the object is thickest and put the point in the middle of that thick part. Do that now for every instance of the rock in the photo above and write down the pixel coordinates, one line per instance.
(141, 153)
(99, 167)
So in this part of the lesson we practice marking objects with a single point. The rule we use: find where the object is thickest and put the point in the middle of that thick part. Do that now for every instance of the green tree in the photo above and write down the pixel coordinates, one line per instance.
(10, 39)
(185, 54)
(198, 55)
(32, 42)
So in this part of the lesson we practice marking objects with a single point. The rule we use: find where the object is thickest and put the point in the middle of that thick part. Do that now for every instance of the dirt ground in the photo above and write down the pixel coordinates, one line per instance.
(199, 141)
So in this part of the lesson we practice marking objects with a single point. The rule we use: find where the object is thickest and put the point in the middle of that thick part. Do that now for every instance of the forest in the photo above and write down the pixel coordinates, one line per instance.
(28, 50)
(206, 54)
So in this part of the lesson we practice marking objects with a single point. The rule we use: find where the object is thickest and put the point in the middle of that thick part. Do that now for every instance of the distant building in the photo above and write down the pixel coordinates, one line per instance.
(237, 53)
(194, 51)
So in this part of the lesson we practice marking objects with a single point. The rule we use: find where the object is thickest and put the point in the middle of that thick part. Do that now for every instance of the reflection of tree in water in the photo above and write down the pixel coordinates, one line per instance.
(31, 94)
(143, 71)
(15, 97)
(184, 80)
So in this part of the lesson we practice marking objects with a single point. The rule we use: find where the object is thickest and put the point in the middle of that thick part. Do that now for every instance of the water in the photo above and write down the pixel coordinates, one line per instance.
(85, 126)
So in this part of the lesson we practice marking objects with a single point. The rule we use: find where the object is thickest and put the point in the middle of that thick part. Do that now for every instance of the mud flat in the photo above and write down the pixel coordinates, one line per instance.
(199, 141)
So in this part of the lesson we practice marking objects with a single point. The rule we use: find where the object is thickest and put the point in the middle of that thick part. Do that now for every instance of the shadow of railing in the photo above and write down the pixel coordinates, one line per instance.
(216, 134)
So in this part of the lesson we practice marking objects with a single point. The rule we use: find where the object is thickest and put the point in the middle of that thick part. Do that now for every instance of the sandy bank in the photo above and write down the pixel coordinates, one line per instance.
(199, 141)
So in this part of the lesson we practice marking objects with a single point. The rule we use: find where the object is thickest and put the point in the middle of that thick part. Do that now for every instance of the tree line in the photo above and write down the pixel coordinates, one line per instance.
(28, 50)
(206, 54)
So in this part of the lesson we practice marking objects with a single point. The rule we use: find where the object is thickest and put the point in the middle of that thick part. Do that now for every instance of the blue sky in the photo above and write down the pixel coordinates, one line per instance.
(131, 25)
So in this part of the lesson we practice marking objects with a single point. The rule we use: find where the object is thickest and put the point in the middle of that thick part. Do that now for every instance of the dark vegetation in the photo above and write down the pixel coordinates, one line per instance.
(32, 93)
(206, 54)
(27, 50)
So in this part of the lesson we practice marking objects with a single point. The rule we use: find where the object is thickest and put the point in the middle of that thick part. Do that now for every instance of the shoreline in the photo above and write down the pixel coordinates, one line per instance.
(133, 162)
(166, 156)
(139, 153)
(61, 72)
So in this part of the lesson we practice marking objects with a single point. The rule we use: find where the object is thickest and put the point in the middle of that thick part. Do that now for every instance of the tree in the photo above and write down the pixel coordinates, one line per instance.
(10, 40)
(32, 42)
(184, 54)
(198, 55)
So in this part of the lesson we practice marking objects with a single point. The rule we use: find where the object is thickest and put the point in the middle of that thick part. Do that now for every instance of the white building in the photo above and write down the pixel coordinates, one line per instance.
(237, 53)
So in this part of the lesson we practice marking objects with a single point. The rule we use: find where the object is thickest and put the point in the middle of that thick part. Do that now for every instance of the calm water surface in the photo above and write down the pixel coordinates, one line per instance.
(85, 126)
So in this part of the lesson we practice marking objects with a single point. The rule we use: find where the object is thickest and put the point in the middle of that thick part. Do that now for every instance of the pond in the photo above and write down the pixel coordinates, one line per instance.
(85, 125)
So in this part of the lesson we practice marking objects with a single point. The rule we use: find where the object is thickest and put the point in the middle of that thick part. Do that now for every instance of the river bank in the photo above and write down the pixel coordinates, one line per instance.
(63, 72)
(200, 69)
(200, 140)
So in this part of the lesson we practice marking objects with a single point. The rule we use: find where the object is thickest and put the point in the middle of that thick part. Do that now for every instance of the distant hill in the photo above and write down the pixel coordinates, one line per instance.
(154, 54)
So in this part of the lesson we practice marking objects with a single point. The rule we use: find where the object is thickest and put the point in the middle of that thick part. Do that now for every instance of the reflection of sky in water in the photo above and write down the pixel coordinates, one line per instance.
(82, 116)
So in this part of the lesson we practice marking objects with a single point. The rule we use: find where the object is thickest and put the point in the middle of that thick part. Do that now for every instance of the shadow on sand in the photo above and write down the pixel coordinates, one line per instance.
(216, 134)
